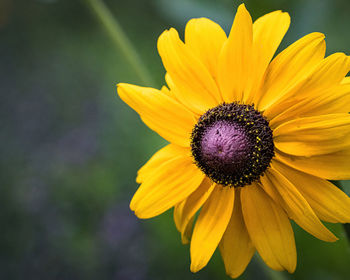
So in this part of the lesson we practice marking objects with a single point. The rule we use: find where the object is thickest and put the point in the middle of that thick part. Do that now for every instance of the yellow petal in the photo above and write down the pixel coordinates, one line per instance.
(269, 229)
(290, 67)
(295, 205)
(169, 81)
(169, 92)
(172, 88)
(329, 202)
(211, 225)
(196, 87)
(185, 236)
(205, 38)
(346, 80)
(187, 232)
(161, 113)
(236, 247)
(328, 74)
(177, 213)
(165, 90)
(268, 32)
(235, 57)
(174, 180)
(313, 135)
(167, 153)
(334, 166)
(331, 102)
(328, 101)
(186, 210)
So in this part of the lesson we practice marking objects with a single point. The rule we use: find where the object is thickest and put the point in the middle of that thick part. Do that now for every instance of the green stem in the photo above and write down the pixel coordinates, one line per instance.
(119, 37)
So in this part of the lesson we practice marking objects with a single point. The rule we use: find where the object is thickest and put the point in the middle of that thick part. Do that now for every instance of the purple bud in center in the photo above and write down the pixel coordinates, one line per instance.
(225, 146)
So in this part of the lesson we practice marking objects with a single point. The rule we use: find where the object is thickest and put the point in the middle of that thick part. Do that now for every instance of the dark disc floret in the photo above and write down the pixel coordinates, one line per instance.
(232, 144)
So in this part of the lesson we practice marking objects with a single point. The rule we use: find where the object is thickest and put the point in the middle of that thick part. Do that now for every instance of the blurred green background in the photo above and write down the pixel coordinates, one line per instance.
(70, 148)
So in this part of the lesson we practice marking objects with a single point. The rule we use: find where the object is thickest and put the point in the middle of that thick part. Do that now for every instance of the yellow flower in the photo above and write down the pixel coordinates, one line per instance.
(253, 140)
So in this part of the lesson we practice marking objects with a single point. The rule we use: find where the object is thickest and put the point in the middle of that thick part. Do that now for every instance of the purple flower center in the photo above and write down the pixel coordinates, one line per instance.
(232, 144)
(225, 145)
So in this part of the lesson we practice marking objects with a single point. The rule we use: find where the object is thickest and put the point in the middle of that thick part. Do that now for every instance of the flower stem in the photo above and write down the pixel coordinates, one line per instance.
(119, 37)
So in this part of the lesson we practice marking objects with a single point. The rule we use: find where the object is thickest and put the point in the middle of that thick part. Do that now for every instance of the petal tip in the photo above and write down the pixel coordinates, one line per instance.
(132, 205)
(235, 274)
(242, 6)
(140, 216)
(144, 213)
(333, 239)
(283, 13)
(242, 9)
(138, 179)
(292, 269)
(318, 35)
(121, 85)
(195, 267)
(124, 87)
(287, 16)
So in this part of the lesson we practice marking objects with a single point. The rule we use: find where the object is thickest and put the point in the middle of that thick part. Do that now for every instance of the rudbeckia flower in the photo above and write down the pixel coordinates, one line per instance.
(253, 140)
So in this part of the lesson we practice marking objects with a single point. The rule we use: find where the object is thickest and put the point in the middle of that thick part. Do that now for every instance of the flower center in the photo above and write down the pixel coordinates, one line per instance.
(232, 144)
(225, 146)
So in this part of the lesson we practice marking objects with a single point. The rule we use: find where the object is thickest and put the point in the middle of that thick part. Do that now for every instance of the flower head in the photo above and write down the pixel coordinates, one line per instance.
(253, 140)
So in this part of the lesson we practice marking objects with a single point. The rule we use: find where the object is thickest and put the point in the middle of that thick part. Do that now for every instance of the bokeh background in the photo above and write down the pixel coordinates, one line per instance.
(70, 148)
